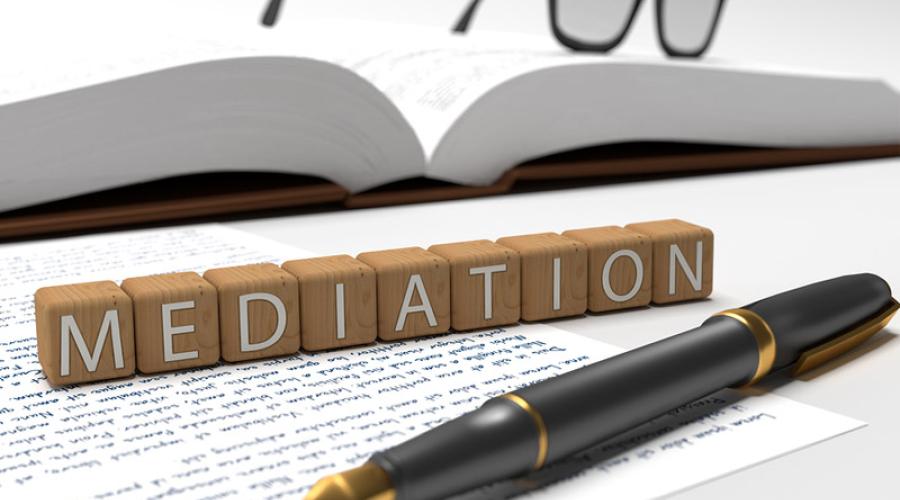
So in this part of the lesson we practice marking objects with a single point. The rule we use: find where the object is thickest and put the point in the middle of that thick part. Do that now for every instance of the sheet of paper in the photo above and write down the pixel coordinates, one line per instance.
(714, 436)
(269, 429)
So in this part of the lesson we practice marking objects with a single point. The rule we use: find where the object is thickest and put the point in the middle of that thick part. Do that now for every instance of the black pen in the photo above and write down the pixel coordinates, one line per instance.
(526, 429)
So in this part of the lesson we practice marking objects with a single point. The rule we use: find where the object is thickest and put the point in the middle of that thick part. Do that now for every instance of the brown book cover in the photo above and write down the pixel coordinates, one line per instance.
(227, 194)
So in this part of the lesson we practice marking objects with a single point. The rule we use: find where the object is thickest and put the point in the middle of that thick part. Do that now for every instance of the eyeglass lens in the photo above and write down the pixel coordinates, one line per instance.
(686, 24)
(594, 22)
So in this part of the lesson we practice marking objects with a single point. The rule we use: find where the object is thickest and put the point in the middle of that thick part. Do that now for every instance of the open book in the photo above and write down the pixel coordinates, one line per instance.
(91, 114)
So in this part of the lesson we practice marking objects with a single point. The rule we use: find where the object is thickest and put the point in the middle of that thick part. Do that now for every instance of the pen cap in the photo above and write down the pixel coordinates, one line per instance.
(811, 315)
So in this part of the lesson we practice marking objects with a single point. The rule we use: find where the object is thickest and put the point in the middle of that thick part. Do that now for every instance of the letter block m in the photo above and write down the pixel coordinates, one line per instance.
(85, 332)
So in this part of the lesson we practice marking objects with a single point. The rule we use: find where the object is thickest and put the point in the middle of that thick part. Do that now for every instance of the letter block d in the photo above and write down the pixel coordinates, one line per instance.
(682, 259)
(259, 311)
(484, 284)
(85, 332)
(176, 321)
(413, 292)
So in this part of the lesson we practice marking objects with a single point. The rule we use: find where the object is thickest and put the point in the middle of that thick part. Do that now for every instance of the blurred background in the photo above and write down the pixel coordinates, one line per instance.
(847, 36)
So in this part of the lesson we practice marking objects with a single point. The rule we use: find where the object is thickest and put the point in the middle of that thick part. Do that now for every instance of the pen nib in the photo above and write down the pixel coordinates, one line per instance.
(366, 482)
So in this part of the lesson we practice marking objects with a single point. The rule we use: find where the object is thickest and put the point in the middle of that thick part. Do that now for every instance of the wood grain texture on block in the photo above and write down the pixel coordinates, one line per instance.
(85, 332)
(259, 311)
(337, 301)
(682, 259)
(176, 321)
(413, 292)
(620, 267)
(554, 275)
(484, 284)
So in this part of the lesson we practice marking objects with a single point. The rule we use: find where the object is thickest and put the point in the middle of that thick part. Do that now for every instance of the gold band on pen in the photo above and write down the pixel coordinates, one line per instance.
(543, 438)
(765, 340)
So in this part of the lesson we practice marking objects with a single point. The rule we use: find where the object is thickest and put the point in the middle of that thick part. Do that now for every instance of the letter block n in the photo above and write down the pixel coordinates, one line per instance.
(85, 332)
(682, 259)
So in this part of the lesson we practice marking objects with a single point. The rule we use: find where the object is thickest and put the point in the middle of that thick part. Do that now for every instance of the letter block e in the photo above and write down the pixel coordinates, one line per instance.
(85, 332)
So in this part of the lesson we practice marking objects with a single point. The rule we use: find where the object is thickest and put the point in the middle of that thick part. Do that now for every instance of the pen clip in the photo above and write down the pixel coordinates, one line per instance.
(845, 341)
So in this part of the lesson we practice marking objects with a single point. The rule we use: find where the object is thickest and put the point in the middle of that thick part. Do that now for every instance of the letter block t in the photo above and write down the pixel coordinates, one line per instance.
(554, 275)
(85, 332)
(337, 301)
(484, 284)
(259, 311)
(413, 292)
(176, 321)
(619, 267)
(682, 259)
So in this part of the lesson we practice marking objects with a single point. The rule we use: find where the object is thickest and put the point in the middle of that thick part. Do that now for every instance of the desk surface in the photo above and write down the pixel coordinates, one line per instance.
(774, 229)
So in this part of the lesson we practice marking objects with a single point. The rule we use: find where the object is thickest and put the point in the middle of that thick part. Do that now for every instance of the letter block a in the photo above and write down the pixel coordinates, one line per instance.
(484, 284)
(85, 332)
(554, 275)
(259, 311)
(682, 259)
(337, 302)
(176, 321)
(620, 267)
(413, 292)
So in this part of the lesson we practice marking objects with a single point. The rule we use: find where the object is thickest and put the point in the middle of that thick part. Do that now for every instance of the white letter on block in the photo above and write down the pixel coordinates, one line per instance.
(415, 284)
(638, 279)
(339, 310)
(488, 272)
(243, 301)
(556, 264)
(694, 277)
(68, 327)
(168, 331)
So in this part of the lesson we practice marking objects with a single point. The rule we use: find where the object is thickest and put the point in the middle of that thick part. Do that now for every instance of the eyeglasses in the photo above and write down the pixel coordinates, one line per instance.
(684, 28)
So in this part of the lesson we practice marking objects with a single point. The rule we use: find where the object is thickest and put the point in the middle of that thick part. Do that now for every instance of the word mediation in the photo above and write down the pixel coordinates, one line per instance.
(98, 331)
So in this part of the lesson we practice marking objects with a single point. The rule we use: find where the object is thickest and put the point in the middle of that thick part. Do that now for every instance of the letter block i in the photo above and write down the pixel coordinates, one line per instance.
(85, 332)
(484, 284)
(620, 267)
(176, 321)
(682, 259)
(413, 292)
(554, 275)
(259, 311)
(337, 302)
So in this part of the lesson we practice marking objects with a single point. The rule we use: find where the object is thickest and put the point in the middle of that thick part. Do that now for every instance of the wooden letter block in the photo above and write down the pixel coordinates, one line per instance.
(85, 332)
(484, 284)
(337, 302)
(682, 259)
(554, 275)
(176, 321)
(259, 311)
(620, 267)
(413, 292)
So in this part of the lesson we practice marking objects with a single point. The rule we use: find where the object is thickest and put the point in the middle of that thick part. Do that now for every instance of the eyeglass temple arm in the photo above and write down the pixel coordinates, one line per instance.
(271, 14)
(462, 25)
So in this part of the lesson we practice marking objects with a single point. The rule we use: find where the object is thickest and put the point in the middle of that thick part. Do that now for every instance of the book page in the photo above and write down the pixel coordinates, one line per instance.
(269, 429)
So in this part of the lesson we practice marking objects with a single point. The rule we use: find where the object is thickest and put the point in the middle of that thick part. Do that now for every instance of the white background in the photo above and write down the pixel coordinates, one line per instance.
(774, 229)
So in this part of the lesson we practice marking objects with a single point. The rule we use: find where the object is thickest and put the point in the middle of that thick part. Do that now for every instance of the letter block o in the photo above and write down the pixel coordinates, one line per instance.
(85, 332)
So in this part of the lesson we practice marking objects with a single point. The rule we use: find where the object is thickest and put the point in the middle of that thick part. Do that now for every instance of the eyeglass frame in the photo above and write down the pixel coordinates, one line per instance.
(462, 25)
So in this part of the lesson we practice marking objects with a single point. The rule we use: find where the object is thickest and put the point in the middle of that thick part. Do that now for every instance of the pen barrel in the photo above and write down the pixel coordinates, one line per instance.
(497, 441)
(811, 315)
(598, 401)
